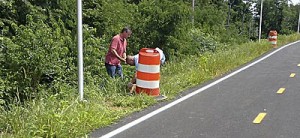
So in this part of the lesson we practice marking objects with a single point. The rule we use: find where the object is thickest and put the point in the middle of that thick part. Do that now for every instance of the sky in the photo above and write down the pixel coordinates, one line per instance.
(296, 1)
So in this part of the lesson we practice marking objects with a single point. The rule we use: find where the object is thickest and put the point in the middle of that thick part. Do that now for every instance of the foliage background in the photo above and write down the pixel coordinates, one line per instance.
(38, 51)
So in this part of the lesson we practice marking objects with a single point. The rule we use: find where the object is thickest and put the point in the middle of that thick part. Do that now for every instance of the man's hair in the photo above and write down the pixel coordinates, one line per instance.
(126, 29)
(127, 58)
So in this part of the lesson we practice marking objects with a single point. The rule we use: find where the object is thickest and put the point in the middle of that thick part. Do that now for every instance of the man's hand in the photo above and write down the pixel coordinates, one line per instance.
(123, 59)
(131, 87)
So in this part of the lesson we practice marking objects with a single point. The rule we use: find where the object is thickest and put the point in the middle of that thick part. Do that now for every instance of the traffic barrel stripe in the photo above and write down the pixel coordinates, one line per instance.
(148, 76)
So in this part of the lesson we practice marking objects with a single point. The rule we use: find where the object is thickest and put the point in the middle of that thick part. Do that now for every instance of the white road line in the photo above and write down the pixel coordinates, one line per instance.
(143, 118)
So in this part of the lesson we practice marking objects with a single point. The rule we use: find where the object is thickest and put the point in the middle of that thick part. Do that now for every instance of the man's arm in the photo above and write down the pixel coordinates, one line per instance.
(132, 84)
(133, 80)
(118, 56)
(114, 46)
(124, 56)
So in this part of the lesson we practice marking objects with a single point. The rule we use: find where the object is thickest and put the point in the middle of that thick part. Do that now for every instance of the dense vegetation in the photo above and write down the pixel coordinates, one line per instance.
(38, 54)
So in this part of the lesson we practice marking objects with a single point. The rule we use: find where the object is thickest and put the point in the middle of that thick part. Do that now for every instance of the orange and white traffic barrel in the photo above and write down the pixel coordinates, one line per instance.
(273, 37)
(148, 72)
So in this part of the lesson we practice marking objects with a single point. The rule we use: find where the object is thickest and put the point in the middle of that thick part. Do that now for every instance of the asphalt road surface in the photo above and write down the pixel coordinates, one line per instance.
(259, 100)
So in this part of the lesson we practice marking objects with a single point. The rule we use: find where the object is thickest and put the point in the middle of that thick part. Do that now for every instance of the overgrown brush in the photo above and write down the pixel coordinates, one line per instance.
(62, 115)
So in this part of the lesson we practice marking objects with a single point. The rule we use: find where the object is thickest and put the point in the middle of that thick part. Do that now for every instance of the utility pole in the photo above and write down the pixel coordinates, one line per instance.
(2, 28)
(249, 31)
(229, 12)
(193, 6)
(298, 22)
(80, 55)
(260, 19)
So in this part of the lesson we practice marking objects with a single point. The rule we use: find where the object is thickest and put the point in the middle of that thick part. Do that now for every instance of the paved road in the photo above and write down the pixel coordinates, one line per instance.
(228, 108)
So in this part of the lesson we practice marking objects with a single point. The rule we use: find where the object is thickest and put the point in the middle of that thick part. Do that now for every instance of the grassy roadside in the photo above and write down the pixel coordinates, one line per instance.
(61, 115)
(196, 70)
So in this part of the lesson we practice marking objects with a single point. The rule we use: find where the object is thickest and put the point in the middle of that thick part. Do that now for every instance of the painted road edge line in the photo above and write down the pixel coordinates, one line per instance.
(281, 90)
(143, 118)
(259, 118)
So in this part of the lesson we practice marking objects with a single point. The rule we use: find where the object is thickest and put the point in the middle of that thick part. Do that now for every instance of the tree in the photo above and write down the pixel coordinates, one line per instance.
(274, 14)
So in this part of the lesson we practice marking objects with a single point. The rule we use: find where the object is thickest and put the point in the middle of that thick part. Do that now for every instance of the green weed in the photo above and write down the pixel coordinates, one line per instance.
(63, 115)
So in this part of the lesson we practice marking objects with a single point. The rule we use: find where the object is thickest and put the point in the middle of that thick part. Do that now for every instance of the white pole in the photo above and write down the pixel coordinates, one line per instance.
(298, 23)
(260, 20)
(2, 38)
(80, 60)
(193, 5)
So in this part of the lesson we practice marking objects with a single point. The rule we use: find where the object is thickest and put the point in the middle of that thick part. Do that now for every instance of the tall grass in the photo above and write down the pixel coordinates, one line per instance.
(195, 70)
(63, 115)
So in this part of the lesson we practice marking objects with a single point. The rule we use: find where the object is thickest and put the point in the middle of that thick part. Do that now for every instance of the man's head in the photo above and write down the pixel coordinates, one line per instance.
(126, 32)
(130, 60)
